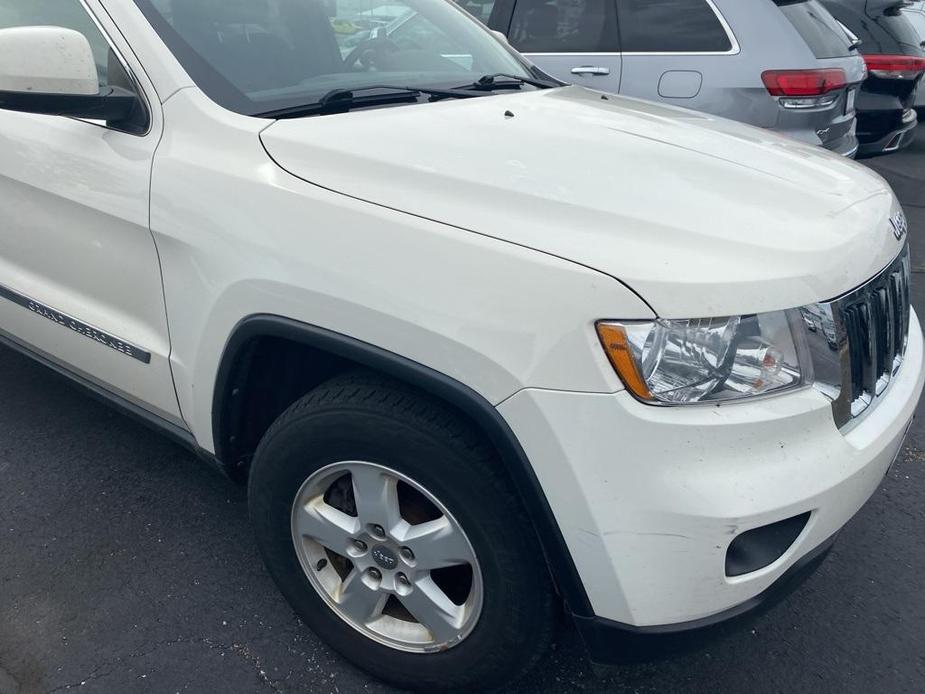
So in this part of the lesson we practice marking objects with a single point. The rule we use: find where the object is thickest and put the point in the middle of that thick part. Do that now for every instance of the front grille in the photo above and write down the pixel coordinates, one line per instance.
(865, 335)
(876, 321)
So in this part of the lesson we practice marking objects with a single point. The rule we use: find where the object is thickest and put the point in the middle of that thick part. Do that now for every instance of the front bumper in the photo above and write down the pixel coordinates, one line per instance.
(612, 643)
(650, 498)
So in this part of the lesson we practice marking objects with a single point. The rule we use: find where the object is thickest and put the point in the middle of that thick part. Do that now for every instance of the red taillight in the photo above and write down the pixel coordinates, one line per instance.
(897, 67)
(804, 82)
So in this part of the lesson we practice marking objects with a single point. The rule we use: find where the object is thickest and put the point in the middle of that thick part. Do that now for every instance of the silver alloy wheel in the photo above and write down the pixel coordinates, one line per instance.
(387, 557)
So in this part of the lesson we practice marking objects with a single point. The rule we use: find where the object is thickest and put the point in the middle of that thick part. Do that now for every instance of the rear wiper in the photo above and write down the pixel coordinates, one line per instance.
(345, 99)
(502, 80)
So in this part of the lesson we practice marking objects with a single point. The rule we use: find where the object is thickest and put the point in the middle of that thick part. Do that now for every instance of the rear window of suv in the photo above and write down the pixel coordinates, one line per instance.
(897, 24)
(818, 28)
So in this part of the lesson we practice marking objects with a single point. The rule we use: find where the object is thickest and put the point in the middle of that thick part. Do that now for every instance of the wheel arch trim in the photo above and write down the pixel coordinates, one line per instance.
(472, 404)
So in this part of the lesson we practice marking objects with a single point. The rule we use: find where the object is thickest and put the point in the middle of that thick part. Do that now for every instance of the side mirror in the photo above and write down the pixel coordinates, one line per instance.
(51, 71)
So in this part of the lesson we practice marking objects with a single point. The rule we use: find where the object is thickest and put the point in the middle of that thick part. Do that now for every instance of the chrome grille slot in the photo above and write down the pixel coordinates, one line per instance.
(865, 334)
(855, 327)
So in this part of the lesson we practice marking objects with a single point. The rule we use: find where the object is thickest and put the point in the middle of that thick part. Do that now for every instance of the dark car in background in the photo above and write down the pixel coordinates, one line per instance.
(916, 14)
(896, 62)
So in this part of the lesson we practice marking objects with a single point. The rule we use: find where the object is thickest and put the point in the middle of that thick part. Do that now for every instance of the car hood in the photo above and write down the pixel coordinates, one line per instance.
(698, 215)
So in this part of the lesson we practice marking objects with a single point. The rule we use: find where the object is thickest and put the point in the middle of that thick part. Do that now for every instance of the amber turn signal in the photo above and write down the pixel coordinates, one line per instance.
(617, 346)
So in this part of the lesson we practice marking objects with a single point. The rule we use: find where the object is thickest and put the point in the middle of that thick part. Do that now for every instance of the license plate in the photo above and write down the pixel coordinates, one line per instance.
(849, 102)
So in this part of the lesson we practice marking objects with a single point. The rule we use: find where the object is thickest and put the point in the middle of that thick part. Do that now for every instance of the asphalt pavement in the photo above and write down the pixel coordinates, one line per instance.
(127, 566)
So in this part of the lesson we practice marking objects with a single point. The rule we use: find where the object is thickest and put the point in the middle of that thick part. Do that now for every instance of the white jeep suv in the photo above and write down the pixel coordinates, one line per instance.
(482, 346)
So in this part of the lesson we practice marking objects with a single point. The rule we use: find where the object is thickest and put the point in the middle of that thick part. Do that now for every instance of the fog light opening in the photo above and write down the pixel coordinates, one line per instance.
(761, 547)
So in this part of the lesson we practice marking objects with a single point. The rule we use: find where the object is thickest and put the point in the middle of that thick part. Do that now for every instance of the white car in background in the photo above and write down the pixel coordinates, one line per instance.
(483, 347)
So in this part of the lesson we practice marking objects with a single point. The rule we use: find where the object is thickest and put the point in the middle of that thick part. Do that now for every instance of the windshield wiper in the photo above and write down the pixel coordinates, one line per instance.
(501, 80)
(345, 99)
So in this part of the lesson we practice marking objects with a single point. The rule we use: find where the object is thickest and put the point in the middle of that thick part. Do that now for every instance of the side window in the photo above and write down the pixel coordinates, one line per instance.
(564, 26)
(69, 14)
(671, 26)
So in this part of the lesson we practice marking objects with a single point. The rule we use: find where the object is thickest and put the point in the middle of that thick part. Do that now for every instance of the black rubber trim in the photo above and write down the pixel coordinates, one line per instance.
(117, 106)
(483, 414)
(158, 424)
(612, 643)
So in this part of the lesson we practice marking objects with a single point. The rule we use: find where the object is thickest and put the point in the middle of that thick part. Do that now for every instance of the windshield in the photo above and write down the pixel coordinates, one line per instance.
(260, 56)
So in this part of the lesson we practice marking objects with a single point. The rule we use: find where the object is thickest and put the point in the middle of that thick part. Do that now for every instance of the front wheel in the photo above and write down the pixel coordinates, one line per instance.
(387, 523)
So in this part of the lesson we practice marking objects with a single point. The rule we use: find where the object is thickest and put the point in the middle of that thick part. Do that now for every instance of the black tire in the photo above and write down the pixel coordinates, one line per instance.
(366, 417)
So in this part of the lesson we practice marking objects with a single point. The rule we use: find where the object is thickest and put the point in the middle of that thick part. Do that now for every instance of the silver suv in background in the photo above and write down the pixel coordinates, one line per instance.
(785, 65)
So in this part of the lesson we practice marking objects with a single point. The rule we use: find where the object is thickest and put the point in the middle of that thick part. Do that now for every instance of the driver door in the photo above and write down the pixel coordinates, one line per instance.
(80, 280)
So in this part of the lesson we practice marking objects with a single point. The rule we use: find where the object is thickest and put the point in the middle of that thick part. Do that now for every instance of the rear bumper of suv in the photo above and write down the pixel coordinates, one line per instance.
(882, 133)
(836, 135)
(651, 499)
(847, 145)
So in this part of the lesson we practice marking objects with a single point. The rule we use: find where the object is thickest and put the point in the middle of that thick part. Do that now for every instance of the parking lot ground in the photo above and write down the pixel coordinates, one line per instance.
(127, 566)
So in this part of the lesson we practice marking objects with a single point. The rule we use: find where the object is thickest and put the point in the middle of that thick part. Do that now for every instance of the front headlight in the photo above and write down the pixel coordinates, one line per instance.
(708, 360)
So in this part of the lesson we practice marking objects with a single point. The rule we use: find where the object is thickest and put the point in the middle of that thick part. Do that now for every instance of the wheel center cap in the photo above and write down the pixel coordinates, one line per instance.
(384, 557)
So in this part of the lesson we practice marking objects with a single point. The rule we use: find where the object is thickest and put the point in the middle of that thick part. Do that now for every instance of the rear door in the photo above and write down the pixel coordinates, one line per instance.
(671, 48)
(574, 40)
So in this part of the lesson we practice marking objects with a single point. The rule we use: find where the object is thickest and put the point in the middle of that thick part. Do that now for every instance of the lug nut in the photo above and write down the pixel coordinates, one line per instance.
(375, 574)
(359, 545)
(406, 554)
(378, 530)
(401, 578)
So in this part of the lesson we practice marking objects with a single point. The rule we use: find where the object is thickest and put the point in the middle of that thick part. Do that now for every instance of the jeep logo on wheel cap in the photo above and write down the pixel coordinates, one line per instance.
(385, 557)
